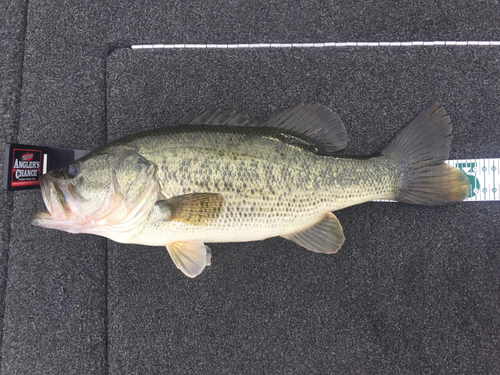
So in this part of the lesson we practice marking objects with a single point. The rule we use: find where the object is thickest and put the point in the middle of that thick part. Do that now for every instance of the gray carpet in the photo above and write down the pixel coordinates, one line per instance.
(413, 290)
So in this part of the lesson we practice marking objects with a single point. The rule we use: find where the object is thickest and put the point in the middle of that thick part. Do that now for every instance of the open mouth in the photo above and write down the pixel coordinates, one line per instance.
(58, 214)
(55, 199)
(62, 206)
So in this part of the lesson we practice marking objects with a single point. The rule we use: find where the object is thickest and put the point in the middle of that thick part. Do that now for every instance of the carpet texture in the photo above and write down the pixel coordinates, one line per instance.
(413, 290)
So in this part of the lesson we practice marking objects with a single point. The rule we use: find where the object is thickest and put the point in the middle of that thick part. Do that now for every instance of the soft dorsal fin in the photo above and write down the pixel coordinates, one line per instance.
(316, 123)
(228, 116)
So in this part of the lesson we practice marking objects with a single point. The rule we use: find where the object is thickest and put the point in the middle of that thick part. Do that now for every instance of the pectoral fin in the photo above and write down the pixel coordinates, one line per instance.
(194, 209)
(324, 237)
(190, 257)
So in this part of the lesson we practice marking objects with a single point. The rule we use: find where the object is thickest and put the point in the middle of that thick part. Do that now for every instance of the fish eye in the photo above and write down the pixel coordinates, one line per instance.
(72, 170)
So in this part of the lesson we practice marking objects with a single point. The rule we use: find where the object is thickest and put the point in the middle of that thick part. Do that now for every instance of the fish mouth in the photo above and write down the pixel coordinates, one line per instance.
(56, 199)
(61, 204)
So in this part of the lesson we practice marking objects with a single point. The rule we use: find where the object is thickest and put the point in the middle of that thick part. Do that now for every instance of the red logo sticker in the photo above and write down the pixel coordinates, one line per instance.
(27, 156)
(26, 167)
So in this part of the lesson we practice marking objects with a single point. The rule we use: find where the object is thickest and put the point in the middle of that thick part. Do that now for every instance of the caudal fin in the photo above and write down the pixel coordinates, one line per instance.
(420, 151)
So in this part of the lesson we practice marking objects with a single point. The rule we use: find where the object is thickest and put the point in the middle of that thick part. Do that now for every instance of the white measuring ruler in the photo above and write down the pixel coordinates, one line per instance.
(421, 43)
(484, 178)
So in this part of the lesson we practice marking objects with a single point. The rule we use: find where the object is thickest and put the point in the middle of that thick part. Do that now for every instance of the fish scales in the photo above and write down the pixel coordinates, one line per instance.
(269, 187)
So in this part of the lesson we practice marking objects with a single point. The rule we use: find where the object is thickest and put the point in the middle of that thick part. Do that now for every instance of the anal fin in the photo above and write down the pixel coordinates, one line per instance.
(191, 257)
(325, 237)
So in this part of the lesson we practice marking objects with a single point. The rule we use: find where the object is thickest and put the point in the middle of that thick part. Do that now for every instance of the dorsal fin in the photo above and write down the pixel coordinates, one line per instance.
(313, 124)
(316, 123)
(227, 116)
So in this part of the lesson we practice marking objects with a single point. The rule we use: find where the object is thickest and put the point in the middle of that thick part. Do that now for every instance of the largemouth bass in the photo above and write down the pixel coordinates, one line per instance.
(221, 177)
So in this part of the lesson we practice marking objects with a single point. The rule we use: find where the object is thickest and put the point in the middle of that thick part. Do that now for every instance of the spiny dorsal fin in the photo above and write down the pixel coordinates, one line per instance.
(325, 237)
(228, 116)
(316, 123)
(193, 209)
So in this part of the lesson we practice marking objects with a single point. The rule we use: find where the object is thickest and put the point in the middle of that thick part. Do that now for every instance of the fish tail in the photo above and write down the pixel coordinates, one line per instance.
(419, 152)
